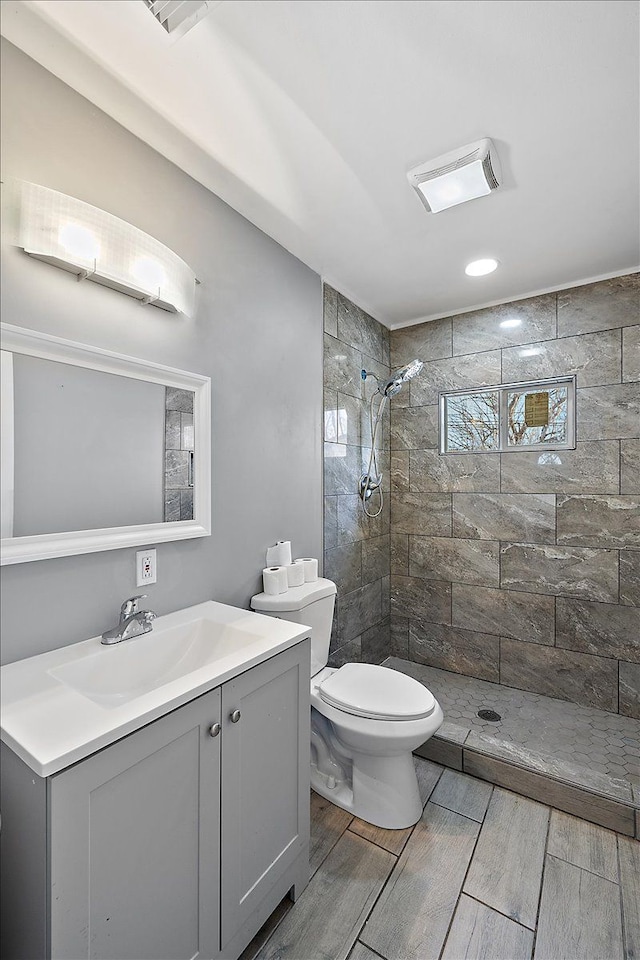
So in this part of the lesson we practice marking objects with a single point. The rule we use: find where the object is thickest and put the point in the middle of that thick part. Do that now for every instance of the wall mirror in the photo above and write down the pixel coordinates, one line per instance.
(99, 450)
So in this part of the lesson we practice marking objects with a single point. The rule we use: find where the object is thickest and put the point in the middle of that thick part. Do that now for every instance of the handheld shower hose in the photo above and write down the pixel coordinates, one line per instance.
(372, 479)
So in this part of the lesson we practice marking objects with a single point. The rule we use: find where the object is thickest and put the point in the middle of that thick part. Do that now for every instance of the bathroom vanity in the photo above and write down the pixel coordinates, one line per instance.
(150, 812)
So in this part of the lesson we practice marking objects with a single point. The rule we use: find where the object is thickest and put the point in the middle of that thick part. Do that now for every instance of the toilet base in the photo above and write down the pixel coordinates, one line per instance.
(384, 791)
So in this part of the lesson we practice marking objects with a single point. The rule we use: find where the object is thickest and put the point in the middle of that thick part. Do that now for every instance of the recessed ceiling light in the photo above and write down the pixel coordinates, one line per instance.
(480, 268)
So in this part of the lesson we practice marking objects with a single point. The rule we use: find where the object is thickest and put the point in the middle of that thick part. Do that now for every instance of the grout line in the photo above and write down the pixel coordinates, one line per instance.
(464, 879)
(542, 876)
(495, 910)
(623, 924)
(370, 949)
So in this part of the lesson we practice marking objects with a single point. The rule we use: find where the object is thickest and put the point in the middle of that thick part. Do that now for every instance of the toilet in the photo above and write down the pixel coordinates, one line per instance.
(365, 719)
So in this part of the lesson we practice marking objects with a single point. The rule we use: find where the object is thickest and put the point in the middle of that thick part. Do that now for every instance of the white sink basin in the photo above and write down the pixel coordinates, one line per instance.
(137, 666)
(60, 707)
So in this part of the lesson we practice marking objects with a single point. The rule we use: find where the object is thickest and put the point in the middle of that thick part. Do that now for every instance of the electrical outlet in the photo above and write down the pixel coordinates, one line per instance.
(145, 567)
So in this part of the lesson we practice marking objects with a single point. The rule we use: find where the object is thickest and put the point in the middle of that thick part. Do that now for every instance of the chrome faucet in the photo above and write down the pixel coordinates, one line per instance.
(133, 622)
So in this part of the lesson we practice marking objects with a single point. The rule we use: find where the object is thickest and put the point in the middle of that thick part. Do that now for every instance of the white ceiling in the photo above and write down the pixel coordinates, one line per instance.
(305, 115)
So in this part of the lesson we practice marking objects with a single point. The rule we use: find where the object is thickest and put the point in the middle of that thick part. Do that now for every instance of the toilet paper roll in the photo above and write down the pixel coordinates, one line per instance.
(310, 569)
(280, 554)
(295, 573)
(274, 580)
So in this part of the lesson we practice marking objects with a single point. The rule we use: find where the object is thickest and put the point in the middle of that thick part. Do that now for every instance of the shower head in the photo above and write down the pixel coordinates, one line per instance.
(394, 384)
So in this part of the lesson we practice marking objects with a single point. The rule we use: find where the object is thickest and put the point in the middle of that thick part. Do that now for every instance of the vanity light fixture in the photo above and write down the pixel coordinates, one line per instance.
(95, 245)
(464, 174)
(480, 268)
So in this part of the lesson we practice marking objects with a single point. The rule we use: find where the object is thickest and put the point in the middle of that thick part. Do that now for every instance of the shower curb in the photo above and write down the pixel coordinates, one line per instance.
(610, 803)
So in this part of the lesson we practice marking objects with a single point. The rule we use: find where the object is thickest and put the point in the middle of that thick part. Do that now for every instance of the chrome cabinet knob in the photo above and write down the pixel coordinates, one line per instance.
(235, 716)
(214, 729)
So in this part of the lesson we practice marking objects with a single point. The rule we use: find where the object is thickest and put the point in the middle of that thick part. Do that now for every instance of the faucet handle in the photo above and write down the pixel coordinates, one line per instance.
(130, 606)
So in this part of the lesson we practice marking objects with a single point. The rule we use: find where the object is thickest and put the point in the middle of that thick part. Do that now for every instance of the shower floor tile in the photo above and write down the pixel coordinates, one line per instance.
(587, 742)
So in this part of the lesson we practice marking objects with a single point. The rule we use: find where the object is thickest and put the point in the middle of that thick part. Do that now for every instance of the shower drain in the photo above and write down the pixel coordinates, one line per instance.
(489, 715)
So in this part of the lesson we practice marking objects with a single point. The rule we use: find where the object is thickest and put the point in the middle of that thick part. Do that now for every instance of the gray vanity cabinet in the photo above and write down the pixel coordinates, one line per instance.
(134, 843)
(180, 839)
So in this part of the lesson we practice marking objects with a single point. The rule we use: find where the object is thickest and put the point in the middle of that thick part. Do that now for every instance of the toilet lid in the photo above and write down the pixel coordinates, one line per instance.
(366, 690)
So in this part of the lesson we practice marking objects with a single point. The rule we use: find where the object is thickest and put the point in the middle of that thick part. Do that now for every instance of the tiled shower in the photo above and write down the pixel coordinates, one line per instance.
(512, 568)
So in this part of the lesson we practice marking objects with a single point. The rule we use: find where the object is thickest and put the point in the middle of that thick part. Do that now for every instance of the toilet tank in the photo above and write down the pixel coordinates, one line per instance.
(311, 604)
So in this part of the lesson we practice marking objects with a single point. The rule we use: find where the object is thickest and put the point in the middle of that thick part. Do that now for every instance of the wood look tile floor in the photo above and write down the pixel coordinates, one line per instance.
(485, 874)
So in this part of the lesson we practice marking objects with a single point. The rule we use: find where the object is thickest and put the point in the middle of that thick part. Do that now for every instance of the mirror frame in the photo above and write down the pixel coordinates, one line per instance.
(72, 543)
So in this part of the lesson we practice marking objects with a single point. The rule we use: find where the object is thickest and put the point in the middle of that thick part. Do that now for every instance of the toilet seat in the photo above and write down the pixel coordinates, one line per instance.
(376, 693)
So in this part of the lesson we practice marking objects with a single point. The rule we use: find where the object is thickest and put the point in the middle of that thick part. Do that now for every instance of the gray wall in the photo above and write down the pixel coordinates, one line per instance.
(356, 548)
(257, 333)
(507, 568)
(89, 448)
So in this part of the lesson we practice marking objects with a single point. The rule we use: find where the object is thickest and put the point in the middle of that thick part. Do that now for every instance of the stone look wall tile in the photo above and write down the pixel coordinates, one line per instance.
(602, 629)
(442, 376)
(342, 468)
(386, 345)
(449, 648)
(342, 366)
(343, 565)
(630, 577)
(460, 561)
(529, 518)
(560, 673)
(631, 353)
(595, 521)
(359, 610)
(414, 428)
(454, 473)
(176, 470)
(357, 553)
(330, 310)
(421, 599)
(481, 329)
(358, 329)
(506, 613)
(400, 554)
(595, 358)
(581, 572)
(566, 626)
(608, 412)
(630, 466)
(399, 628)
(354, 525)
(375, 642)
(350, 652)
(330, 521)
(599, 306)
(172, 430)
(186, 504)
(590, 468)
(375, 558)
(630, 690)
(424, 341)
(400, 471)
(171, 505)
(426, 514)
(344, 419)
(178, 399)
(385, 595)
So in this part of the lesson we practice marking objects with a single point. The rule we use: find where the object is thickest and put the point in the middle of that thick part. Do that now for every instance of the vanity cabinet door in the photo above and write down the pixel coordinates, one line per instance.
(135, 844)
(265, 781)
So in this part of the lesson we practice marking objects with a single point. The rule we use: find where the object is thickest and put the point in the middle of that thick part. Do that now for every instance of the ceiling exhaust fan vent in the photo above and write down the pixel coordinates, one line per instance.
(178, 16)
(464, 174)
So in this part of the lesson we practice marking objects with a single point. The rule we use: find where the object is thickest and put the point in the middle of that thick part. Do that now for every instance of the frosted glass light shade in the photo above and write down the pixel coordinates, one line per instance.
(94, 244)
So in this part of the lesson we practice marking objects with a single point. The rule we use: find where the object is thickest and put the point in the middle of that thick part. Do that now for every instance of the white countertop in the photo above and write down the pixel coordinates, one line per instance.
(51, 725)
